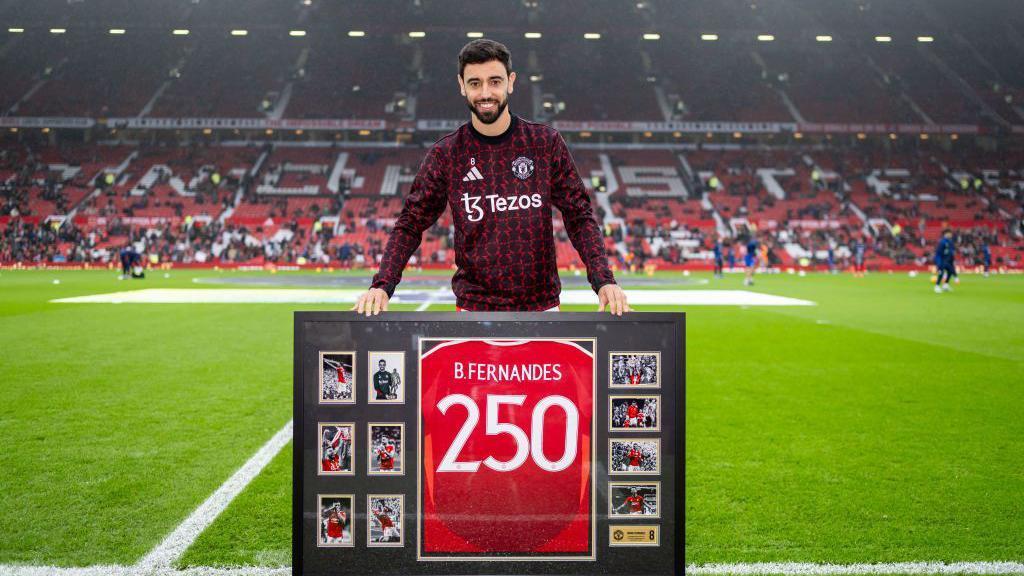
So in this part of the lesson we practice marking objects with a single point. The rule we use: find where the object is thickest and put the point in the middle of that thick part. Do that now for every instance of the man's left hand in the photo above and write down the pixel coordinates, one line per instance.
(614, 298)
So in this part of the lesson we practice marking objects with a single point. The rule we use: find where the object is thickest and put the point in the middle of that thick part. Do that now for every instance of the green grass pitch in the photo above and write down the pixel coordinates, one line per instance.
(884, 424)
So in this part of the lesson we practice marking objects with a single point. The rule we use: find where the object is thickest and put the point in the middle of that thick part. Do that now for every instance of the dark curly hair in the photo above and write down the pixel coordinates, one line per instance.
(484, 50)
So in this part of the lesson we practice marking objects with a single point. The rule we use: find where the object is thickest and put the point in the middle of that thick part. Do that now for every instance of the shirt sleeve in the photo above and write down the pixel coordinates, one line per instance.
(570, 197)
(423, 206)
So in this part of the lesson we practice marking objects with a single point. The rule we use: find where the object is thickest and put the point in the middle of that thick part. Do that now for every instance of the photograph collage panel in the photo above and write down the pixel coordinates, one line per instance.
(634, 413)
(634, 370)
(385, 456)
(634, 499)
(385, 526)
(337, 377)
(386, 384)
(335, 526)
(636, 456)
(337, 443)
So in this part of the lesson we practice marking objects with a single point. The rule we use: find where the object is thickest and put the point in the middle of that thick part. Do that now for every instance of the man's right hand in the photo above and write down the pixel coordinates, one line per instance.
(374, 301)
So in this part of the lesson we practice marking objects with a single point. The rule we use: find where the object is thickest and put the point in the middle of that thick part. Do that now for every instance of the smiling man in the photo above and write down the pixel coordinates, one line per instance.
(501, 175)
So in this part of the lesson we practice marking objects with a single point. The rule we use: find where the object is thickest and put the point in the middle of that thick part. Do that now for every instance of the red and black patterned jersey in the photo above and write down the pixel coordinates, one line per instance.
(500, 190)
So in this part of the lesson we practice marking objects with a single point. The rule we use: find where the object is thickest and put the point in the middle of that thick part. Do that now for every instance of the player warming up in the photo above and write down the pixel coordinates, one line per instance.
(501, 175)
(750, 261)
(986, 258)
(718, 258)
(945, 267)
(859, 249)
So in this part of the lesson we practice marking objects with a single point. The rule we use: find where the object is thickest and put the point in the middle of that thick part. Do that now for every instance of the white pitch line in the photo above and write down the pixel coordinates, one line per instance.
(175, 544)
(159, 562)
(10, 570)
(763, 568)
(442, 295)
(802, 568)
(439, 294)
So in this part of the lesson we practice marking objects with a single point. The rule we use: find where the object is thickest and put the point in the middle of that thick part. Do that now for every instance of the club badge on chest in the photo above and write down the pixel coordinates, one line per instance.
(522, 167)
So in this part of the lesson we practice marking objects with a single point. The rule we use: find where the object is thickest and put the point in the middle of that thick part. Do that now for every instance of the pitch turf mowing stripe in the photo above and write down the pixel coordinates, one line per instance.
(127, 420)
(976, 317)
(782, 568)
(185, 534)
(795, 568)
(119, 420)
(116, 570)
(808, 442)
(256, 529)
(827, 444)
(823, 443)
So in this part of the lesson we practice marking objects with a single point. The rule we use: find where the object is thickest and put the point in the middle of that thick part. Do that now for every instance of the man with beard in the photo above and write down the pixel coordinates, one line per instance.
(382, 381)
(334, 525)
(501, 175)
(635, 502)
(386, 456)
(385, 518)
(633, 415)
(335, 449)
(634, 459)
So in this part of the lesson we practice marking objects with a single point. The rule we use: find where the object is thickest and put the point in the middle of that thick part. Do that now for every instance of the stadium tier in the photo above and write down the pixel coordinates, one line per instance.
(258, 132)
(662, 207)
(937, 63)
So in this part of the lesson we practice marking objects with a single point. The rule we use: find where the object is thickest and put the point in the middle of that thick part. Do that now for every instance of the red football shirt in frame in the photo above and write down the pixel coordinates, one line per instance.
(506, 430)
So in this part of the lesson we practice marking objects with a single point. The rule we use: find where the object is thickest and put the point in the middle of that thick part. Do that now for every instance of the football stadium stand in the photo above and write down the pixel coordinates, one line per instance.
(257, 134)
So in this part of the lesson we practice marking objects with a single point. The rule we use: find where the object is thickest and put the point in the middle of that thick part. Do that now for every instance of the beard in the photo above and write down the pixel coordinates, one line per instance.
(488, 117)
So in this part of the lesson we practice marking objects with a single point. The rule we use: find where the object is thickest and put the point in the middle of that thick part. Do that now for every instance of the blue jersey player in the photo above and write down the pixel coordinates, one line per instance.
(126, 261)
(986, 255)
(859, 249)
(718, 257)
(945, 269)
(750, 261)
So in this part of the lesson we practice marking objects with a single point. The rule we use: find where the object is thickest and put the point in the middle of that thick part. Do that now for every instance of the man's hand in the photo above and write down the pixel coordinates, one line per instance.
(374, 301)
(614, 298)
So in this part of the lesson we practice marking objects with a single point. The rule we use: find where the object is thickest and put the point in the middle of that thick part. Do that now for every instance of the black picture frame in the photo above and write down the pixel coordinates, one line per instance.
(315, 331)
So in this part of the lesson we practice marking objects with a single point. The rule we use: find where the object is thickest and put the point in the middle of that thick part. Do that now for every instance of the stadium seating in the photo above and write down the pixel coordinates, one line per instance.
(801, 201)
(281, 194)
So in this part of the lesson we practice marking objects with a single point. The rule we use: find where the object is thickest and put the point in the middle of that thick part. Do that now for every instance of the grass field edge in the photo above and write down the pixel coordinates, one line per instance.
(800, 568)
(759, 568)
(172, 547)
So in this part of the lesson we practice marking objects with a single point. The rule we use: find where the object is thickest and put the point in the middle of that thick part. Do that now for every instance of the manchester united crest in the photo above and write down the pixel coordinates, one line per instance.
(522, 167)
